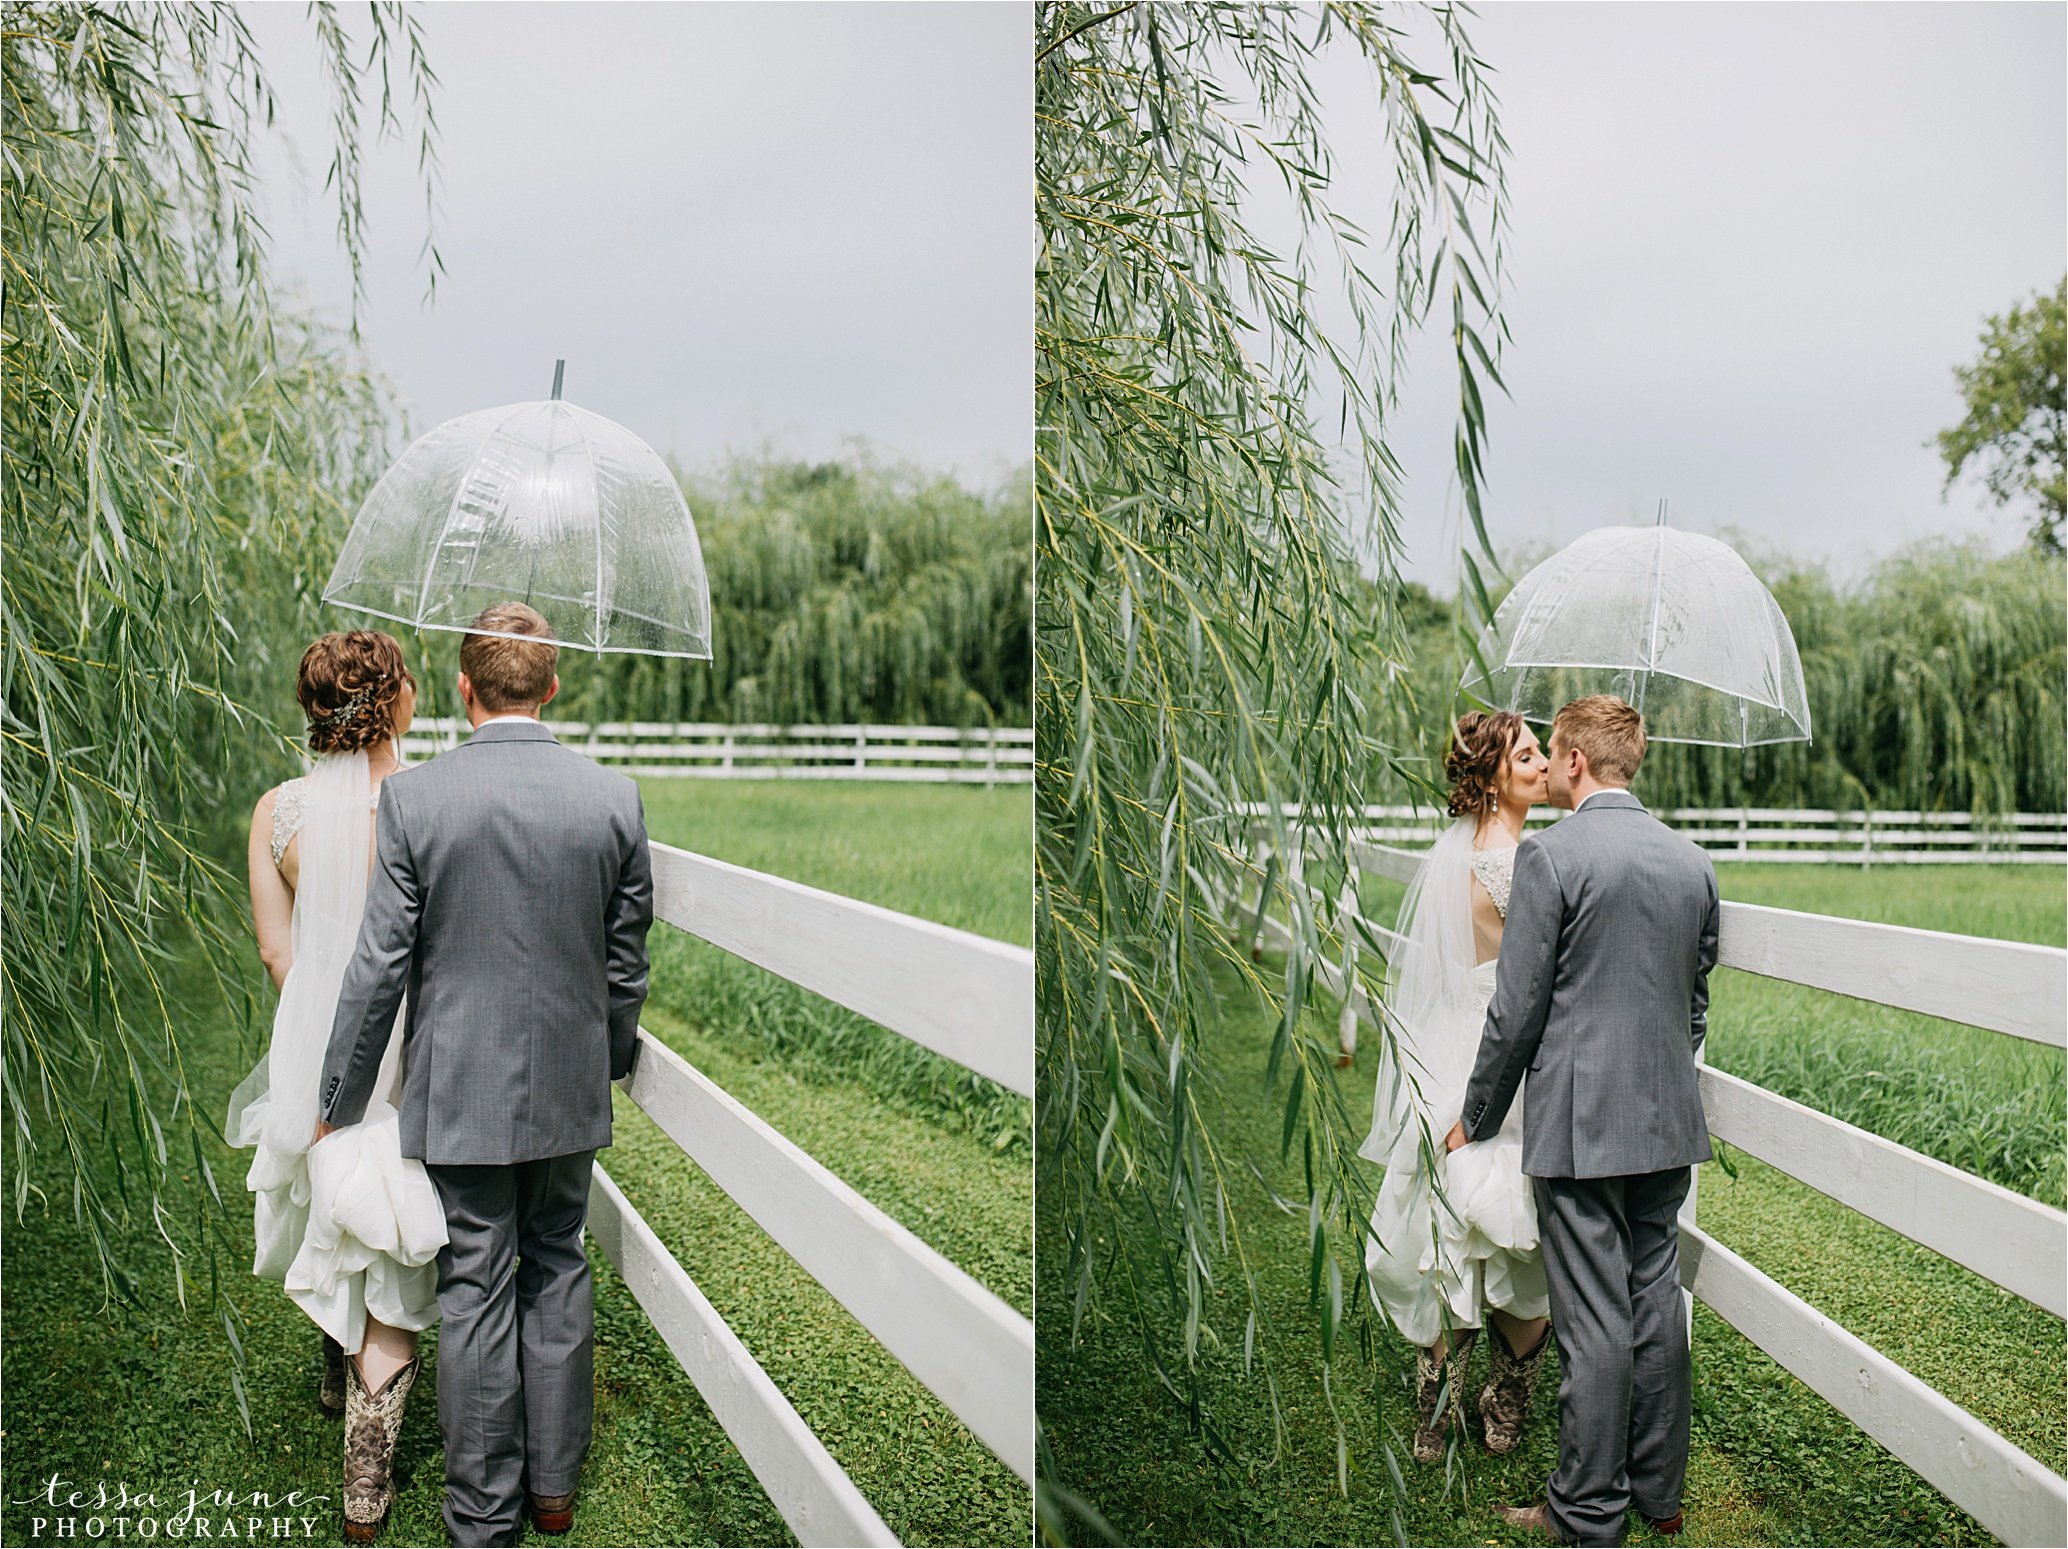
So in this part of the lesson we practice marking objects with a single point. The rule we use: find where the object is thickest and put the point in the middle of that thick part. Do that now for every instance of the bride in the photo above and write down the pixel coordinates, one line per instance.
(1435, 1262)
(349, 1226)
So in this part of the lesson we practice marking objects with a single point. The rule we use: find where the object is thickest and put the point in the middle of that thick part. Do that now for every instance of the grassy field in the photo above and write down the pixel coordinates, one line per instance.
(146, 1399)
(1771, 1463)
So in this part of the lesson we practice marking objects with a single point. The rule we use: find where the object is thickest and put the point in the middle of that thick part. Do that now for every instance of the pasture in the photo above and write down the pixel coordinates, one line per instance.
(1772, 1463)
(149, 1398)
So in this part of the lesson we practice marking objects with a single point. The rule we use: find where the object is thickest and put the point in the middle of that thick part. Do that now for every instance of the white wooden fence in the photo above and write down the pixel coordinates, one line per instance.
(977, 755)
(961, 995)
(2006, 987)
(1807, 835)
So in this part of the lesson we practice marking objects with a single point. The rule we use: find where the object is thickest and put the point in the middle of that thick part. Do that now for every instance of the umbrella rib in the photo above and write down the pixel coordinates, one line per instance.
(595, 473)
(1651, 655)
(423, 597)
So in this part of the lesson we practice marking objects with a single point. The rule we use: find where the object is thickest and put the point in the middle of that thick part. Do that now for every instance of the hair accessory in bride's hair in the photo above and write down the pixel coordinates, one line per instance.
(347, 712)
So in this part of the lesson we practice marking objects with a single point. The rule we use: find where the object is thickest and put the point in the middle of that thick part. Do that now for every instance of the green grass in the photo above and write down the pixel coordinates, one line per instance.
(1771, 1463)
(146, 1398)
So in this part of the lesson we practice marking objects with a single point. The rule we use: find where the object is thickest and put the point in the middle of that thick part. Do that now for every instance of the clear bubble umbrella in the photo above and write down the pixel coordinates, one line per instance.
(1673, 622)
(541, 503)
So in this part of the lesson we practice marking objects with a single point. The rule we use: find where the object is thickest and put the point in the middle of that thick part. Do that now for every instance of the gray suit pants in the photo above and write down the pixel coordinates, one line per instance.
(1612, 1256)
(516, 1340)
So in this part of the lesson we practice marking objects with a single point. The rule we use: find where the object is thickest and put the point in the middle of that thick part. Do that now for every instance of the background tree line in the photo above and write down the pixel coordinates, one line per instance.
(860, 590)
(1935, 684)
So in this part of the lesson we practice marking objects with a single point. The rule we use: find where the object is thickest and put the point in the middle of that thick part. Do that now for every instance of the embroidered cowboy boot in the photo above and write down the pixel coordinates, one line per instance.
(1504, 1401)
(1440, 1383)
(373, 1421)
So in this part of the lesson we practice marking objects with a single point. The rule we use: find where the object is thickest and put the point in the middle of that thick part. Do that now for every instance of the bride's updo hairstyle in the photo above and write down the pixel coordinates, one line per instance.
(348, 686)
(1479, 745)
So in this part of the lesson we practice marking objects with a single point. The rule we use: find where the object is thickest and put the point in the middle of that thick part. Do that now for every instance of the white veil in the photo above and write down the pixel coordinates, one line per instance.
(352, 1228)
(1424, 1067)
(274, 1108)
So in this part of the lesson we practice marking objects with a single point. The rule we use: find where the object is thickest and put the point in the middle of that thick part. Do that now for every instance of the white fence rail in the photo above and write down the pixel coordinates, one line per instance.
(2022, 1245)
(978, 755)
(961, 995)
(1804, 835)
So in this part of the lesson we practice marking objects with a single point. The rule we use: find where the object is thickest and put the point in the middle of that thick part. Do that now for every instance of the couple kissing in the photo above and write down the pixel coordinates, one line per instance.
(1549, 1000)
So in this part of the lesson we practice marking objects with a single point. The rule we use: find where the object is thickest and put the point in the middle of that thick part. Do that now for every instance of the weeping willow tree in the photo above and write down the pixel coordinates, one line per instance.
(1935, 684)
(1204, 641)
(178, 455)
(856, 591)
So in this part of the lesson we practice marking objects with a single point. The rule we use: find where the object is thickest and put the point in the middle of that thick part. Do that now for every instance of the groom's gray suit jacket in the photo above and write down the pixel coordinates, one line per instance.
(511, 894)
(1602, 997)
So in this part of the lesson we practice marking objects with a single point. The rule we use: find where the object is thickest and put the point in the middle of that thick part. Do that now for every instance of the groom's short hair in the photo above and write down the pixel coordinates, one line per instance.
(509, 674)
(1609, 731)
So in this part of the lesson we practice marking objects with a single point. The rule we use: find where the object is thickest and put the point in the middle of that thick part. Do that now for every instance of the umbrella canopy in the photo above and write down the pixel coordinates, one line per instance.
(542, 503)
(1673, 622)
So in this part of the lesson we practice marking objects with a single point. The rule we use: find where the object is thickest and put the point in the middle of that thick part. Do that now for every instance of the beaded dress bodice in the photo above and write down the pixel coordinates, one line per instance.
(1495, 870)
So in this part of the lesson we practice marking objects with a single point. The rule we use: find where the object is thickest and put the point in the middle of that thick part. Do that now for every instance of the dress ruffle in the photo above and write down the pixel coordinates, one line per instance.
(351, 1227)
(1434, 1264)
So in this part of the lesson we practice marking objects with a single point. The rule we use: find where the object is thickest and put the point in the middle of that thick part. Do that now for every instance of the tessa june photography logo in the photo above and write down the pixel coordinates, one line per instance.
(109, 1511)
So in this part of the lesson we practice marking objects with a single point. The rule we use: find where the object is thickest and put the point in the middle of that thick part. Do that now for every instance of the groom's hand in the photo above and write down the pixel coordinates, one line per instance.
(322, 1129)
(1457, 1137)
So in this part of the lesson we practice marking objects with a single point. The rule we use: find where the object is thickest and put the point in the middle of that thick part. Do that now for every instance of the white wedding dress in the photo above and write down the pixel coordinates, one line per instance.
(1434, 1263)
(351, 1227)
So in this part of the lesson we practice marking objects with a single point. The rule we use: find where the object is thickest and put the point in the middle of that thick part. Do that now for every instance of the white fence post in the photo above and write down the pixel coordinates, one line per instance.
(1347, 915)
(1687, 1212)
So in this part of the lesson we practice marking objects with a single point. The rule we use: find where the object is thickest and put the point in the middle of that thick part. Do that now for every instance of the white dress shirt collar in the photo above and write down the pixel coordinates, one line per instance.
(1600, 791)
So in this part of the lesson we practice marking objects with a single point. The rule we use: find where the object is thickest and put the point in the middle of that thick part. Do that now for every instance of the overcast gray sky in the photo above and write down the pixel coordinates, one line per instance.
(739, 223)
(1748, 244)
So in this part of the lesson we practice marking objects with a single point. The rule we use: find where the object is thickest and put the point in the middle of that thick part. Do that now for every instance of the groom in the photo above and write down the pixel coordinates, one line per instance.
(511, 895)
(1602, 998)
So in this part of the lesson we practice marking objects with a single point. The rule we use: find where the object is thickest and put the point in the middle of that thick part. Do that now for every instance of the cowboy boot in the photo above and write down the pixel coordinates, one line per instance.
(1504, 1401)
(330, 1397)
(330, 1392)
(1534, 1518)
(1440, 1382)
(373, 1421)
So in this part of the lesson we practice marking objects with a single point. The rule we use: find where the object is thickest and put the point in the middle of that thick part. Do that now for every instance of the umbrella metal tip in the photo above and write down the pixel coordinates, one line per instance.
(559, 371)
